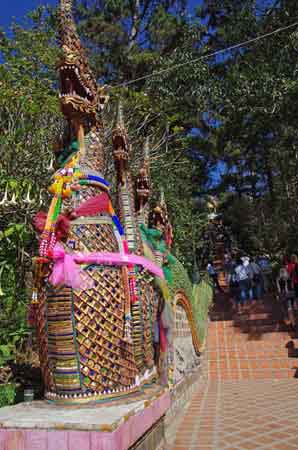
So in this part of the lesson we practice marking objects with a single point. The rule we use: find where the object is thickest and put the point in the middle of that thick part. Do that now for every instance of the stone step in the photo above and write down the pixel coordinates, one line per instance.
(261, 325)
(256, 319)
(262, 374)
(260, 308)
(223, 358)
(214, 317)
(261, 329)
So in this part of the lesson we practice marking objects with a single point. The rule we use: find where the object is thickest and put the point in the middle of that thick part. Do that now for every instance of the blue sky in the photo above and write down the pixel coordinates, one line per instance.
(18, 8)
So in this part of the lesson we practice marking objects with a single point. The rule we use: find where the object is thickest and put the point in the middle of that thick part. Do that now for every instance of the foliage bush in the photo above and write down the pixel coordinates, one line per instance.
(201, 301)
(13, 290)
(7, 394)
(30, 118)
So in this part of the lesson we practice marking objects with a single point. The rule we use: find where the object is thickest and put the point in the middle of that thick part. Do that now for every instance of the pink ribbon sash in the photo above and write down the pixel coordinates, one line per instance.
(67, 269)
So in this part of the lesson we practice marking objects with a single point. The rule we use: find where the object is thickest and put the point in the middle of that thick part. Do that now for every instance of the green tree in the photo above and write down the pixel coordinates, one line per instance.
(128, 40)
(30, 119)
(253, 107)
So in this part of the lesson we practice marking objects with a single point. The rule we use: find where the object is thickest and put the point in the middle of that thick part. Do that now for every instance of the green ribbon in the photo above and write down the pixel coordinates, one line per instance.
(154, 239)
(67, 153)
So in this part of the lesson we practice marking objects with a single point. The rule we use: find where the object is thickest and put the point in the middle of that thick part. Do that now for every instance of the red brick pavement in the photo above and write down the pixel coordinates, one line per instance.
(251, 397)
(242, 415)
(234, 355)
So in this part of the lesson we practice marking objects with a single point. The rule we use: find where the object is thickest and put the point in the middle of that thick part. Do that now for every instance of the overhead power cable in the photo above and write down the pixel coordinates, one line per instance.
(207, 56)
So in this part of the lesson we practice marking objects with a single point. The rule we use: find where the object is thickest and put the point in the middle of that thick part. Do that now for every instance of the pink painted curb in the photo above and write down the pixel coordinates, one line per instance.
(121, 439)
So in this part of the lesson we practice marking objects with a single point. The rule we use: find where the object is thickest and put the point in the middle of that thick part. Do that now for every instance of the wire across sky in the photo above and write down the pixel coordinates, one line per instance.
(206, 56)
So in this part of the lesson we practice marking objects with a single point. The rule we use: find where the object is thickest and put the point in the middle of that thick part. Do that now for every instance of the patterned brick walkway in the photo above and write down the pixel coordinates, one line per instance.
(242, 415)
(251, 398)
(237, 355)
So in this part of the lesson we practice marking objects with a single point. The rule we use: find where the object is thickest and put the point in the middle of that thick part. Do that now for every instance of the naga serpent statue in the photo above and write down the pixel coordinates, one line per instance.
(104, 294)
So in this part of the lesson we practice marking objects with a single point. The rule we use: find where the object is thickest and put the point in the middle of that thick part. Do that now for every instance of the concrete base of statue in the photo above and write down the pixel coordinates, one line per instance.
(117, 425)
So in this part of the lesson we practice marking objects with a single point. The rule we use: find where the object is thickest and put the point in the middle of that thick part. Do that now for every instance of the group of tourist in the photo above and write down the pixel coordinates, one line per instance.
(247, 278)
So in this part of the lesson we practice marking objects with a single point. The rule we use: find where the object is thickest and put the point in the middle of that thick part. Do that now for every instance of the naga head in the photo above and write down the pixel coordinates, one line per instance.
(143, 180)
(121, 145)
(80, 96)
(161, 221)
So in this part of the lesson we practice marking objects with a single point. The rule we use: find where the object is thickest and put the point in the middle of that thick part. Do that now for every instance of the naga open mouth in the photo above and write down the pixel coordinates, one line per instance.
(72, 85)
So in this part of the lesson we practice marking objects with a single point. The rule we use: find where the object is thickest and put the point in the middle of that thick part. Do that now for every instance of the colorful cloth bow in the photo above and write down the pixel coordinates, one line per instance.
(67, 269)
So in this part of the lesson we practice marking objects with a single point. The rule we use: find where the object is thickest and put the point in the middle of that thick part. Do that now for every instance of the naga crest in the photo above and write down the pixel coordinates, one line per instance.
(80, 94)
(161, 221)
(121, 146)
(143, 184)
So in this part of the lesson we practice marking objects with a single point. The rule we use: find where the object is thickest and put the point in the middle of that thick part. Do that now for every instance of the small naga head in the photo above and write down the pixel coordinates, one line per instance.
(80, 96)
(143, 183)
(121, 145)
(159, 218)
(161, 221)
(143, 180)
